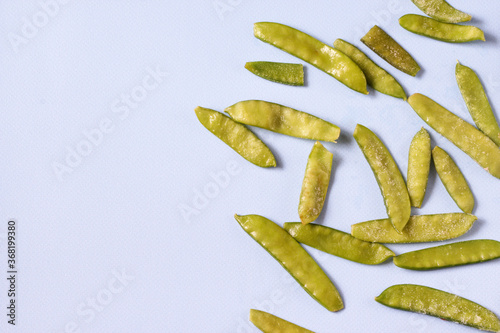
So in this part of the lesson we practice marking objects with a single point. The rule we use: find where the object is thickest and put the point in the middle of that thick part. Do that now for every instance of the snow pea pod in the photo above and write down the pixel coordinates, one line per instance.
(419, 161)
(455, 254)
(291, 74)
(313, 51)
(376, 76)
(438, 303)
(465, 136)
(389, 178)
(284, 120)
(453, 179)
(442, 11)
(294, 259)
(338, 243)
(420, 228)
(389, 50)
(268, 323)
(315, 183)
(446, 32)
(477, 102)
(236, 136)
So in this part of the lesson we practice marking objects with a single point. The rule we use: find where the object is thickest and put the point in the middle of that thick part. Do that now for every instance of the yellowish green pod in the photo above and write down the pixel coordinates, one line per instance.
(442, 11)
(269, 323)
(290, 74)
(419, 161)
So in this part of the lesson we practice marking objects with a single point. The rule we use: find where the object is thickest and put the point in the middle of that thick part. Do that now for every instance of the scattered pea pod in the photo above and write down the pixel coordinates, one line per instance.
(437, 303)
(442, 11)
(419, 161)
(269, 323)
(291, 74)
(296, 261)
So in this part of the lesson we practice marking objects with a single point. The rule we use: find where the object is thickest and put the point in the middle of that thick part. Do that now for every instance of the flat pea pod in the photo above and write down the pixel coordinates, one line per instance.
(313, 51)
(315, 183)
(453, 179)
(465, 136)
(291, 74)
(389, 178)
(446, 32)
(236, 136)
(284, 120)
(442, 11)
(338, 243)
(376, 76)
(294, 259)
(389, 50)
(269, 323)
(420, 228)
(477, 102)
(419, 161)
(455, 254)
(438, 303)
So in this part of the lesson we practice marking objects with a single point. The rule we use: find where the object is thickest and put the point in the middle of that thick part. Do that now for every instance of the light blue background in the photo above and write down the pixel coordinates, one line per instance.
(119, 210)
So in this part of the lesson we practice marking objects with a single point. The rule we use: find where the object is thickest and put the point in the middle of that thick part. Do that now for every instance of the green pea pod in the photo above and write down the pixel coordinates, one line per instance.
(477, 102)
(453, 179)
(446, 32)
(315, 183)
(311, 50)
(376, 76)
(389, 50)
(465, 136)
(338, 243)
(419, 161)
(291, 74)
(455, 254)
(284, 120)
(236, 136)
(389, 178)
(438, 303)
(288, 252)
(420, 228)
(268, 323)
(442, 11)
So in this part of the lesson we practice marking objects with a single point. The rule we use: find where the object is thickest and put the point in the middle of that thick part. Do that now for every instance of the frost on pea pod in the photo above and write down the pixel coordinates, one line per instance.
(419, 161)
(290, 74)
(442, 11)
(269, 323)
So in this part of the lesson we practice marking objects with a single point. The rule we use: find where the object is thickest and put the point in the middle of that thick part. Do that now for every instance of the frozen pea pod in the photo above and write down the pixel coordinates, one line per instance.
(477, 102)
(236, 136)
(315, 183)
(269, 323)
(446, 32)
(419, 161)
(438, 303)
(313, 51)
(282, 119)
(388, 176)
(454, 254)
(420, 228)
(291, 74)
(389, 50)
(453, 179)
(442, 11)
(465, 136)
(376, 76)
(294, 259)
(338, 243)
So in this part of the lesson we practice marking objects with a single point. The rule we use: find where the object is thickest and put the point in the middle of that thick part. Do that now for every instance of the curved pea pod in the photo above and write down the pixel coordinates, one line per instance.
(419, 161)
(477, 102)
(291, 74)
(294, 259)
(420, 228)
(389, 50)
(282, 119)
(315, 183)
(338, 243)
(453, 179)
(268, 323)
(465, 136)
(455, 254)
(376, 76)
(313, 51)
(236, 136)
(446, 32)
(438, 303)
(389, 178)
(442, 11)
